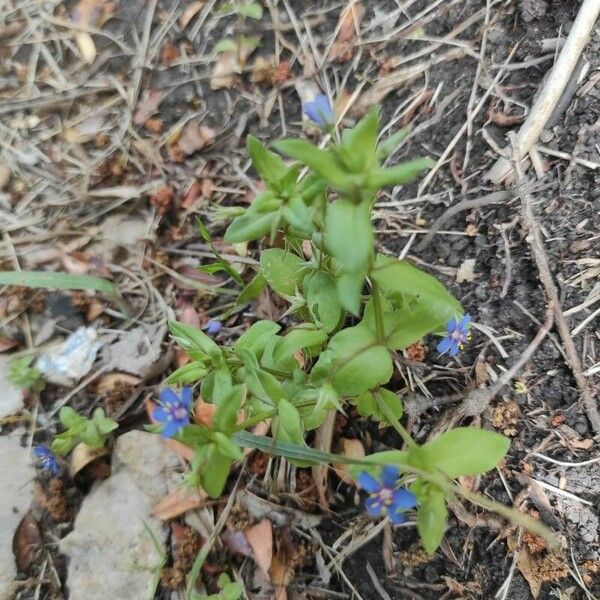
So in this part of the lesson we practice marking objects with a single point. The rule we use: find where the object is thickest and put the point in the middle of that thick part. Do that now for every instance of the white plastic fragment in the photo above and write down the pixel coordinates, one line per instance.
(73, 359)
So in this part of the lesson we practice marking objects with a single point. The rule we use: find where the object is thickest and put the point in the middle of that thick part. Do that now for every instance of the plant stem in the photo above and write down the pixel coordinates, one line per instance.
(378, 310)
(391, 417)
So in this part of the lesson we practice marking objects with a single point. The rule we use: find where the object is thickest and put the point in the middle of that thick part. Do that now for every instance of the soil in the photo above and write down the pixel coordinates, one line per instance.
(543, 415)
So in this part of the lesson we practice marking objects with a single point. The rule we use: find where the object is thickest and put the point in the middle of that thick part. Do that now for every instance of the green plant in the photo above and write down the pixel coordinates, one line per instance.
(317, 214)
(228, 590)
(92, 432)
(24, 376)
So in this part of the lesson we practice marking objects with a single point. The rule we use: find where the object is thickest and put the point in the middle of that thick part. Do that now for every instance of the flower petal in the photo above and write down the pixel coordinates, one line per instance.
(444, 345)
(451, 326)
(186, 397)
(373, 506)
(170, 429)
(368, 483)
(397, 518)
(403, 500)
(454, 348)
(389, 475)
(168, 396)
(160, 415)
(41, 451)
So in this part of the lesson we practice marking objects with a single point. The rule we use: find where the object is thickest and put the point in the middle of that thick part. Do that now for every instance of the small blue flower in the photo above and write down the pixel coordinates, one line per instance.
(46, 458)
(320, 112)
(458, 335)
(213, 327)
(173, 411)
(386, 495)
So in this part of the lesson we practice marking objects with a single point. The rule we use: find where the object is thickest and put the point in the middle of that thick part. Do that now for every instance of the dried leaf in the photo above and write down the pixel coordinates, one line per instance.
(147, 106)
(82, 456)
(194, 137)
(228, 65)
(323, 439)
(281, 575)
(5, 175)
(190, 12)
(7, 343)
(86, 46)
(204, 412)
(349, 449)
(109, 382)
(178, 502)
(342, 48)
(466, 271)
(260, 539)
(27, 542)
(262, 70)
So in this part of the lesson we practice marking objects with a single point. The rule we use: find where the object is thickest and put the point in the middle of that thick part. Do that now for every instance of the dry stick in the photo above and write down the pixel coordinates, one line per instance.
(553, 88)
(541, 260)
(494, 198)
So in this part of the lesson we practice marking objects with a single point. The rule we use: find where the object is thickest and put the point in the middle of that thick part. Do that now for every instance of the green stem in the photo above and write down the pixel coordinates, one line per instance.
(393, 420)
(378, 310)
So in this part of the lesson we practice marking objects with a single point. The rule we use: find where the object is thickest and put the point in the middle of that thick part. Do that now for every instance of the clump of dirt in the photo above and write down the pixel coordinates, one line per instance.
(173, 577)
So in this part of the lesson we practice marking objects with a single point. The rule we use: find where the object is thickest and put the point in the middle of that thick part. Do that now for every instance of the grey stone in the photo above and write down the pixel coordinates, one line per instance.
(112, 554)
(16, 483)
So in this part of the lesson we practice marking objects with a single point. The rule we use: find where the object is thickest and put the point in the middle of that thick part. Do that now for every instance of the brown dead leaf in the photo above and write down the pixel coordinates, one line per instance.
(82, 456)
(190, 12)
(91, 13)
(323, 439)
(503, 119)
(7, 343)
(147, 106)
(162, 199)
(538, 569)
(262, 70)
(204, 412)
(194, 137)
(111, 381)
(260, 538)
(178, 502)
(169, 53)
(342, 48)
(184, 452)
(348, 449)
(94, 310)
(228, 65)
(281, 575)
(27, 542)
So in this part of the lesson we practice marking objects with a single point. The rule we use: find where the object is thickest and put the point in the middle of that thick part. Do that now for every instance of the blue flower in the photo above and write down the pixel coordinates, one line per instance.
(320, 112)
(173, 411)
(47, 460)
(213, 327)
(386, 495)
(458, 335)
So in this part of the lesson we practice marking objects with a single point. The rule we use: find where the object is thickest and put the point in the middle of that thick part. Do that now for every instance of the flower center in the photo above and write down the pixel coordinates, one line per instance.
(178, 411)
(386, 496)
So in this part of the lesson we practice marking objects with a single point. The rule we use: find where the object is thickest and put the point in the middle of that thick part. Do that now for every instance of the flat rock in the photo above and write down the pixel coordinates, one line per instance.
(16, 483)
(11, 399)
(112, 554)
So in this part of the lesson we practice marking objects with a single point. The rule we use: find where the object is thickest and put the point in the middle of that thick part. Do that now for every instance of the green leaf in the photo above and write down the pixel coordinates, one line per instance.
(282, 270)
(191, 338)
(465, 451)
(354, 362)
(252, 290)
(320, 161)
(298, 215)
(225, 45)
(62, 281)
(367, 405)
(386, 147)
(227, 447)
(216, 385)
(250, 226)
(267, 164)
(322, 300)
(69, 417)
(63, 443)
(103, 423)
(251, 10)
(399, 174)
(225, 417)
(255, 338)
(303, 336)
(431, 519)
(288, 426)
(250, 41)
(358, 143)
(190, 373)
(349, 234)
(212, 469)
(349, 286)
(421, 293)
